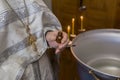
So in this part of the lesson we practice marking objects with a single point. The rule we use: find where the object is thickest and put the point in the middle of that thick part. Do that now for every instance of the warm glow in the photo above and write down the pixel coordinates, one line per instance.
(73, 19)
(68, 31)
(81, 18)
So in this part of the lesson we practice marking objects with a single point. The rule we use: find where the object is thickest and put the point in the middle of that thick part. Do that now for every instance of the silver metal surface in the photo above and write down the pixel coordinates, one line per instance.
(99, 50)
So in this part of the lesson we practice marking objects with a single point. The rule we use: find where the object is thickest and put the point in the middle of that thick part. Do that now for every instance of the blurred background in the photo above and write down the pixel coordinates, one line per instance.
(82, 15)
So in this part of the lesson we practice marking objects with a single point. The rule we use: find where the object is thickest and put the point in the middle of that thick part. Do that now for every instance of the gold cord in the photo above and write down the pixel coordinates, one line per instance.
(31, 38)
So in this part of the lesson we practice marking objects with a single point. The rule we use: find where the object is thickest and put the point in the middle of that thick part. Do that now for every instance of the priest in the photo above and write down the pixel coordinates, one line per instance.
(27, 29)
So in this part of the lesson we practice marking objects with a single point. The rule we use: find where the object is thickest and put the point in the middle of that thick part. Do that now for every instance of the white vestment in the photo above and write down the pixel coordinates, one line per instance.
(18, 61)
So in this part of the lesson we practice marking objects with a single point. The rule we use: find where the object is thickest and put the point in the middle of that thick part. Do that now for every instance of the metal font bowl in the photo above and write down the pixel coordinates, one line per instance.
(98, 54)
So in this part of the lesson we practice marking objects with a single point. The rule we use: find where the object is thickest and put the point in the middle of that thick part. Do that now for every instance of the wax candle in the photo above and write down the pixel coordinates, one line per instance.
(73, 23)
(81, 18)
(68, 31)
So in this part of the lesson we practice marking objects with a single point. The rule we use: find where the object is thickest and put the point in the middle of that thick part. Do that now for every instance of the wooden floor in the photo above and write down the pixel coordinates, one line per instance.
(66, 68)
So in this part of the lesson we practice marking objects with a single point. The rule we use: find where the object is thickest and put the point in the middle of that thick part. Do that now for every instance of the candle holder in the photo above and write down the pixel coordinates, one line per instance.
(72, 36)
(82, 30)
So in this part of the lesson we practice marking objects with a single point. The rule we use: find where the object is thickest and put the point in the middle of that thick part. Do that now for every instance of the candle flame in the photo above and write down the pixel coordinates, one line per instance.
(68, 28)
(81, 17)
(73, 19)
(68, 31)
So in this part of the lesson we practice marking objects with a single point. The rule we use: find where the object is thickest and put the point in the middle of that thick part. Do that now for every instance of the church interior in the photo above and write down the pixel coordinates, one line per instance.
(77, 17)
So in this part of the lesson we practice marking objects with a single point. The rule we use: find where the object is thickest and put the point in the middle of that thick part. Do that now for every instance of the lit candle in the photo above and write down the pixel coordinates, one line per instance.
(73, 23)
(68, 31)
(81, 18)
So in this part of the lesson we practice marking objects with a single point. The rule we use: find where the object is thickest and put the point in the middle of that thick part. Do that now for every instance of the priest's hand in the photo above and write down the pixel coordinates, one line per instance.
(59, 44)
